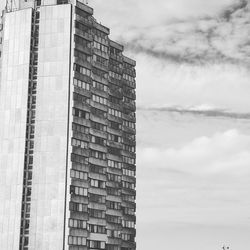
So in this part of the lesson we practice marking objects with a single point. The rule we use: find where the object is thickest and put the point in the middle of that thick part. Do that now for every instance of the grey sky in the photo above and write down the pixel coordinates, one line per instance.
(193, 71)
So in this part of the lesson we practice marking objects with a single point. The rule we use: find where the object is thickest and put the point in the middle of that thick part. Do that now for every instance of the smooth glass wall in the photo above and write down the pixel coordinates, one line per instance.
(50, 149)
(13, 112)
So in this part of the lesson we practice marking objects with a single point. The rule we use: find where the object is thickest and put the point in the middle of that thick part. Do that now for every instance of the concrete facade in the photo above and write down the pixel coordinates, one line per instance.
(67, 140)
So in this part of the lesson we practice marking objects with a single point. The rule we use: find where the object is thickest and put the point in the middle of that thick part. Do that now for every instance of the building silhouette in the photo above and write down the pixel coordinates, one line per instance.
(67, 131)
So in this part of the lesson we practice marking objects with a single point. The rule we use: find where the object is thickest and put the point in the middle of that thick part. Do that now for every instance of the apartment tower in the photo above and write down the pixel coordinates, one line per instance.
(67, 130)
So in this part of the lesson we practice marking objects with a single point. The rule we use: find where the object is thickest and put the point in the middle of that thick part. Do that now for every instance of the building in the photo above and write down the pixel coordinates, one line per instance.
(67, 131)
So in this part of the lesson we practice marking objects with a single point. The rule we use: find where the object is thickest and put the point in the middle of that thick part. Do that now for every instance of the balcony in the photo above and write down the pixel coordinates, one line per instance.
(81, 121)
(116, 57)
(100, 66)
(130, 105)
(97, 162)
(114, 144)
(98, 133)
(98, 147)
(130, 93)
(80, 4)
(129, 141)
(84, 34)
(82, 77)
(101, 28)
(101, 53)
(100, 79)
(115, 92)
(130, 71)
(83, 49)
(129, 130)
(129, 61)
(115, 69)
(129, 117)
(101, 40)
(85, 21)
(80, 136)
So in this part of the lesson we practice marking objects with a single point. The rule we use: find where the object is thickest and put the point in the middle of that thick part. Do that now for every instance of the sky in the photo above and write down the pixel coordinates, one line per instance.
(193, 113)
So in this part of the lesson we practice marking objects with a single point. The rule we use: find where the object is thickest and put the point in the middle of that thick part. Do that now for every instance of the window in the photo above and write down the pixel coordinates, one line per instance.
(128, 211)
(115, 125)
(115, 112)
(129, 124)
(98, 112)
(128, 185)
(97, 154)
(78, 207)
(129, 198)
(128, 237)
(113, 205)
(97, 229)
(113, 191)
(129, 148)
(114, 151)
(97, 183)
(94, 244)
(96, 213)
(115, 75)
(76, 240)
(113, 219)
(81, 84)
(79, 159)
(100, 73)
(114, 138)
(128, 160)
(100, 59)
(78, 174)
(96, 198)
(100, 47)
(80, 128)
(114, 100)
(96, 169)
(82, 41)
(128, 172)
(81, 55)
(82, 70)
(100, 86)
(129, 78)
(114, 234)
(129, 224)
(77, 223)
(115, 51)
(81, 27)
(98, 140)
(80, 98)
(98, 126)
(80, 113)
(79, 143)
(114, 164)
(99, 33)
(114, 177)
(99, 99)
(78, 190)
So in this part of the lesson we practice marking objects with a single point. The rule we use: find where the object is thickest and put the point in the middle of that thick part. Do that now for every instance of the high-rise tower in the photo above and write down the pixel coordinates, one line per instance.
(67, 131)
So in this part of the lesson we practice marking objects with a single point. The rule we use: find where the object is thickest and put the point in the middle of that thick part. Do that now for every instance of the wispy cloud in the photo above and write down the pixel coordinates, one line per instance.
(200, 111)
(222, 38)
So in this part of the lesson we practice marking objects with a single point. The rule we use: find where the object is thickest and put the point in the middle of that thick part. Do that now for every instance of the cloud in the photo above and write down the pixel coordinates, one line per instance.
(205, 181)
(223, 38)
(227, 152)
(225, 87)
(203, 110)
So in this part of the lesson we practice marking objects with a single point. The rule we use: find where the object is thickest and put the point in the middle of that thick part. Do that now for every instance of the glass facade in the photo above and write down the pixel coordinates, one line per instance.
(13, 113)
(51, 129)
(77, 175)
